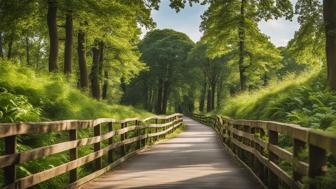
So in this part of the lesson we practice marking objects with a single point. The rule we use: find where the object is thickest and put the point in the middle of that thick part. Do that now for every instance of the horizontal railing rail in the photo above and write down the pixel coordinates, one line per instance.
(123, 137)
(257, 144)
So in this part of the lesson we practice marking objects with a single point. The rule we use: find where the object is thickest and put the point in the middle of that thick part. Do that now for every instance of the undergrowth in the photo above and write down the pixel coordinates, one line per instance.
(27, 95)
(303, 100)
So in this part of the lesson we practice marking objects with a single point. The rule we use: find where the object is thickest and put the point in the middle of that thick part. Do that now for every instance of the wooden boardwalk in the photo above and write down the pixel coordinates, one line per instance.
(194, 159)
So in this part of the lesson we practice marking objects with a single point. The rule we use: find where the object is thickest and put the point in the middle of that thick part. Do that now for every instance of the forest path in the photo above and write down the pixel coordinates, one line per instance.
(194, 159)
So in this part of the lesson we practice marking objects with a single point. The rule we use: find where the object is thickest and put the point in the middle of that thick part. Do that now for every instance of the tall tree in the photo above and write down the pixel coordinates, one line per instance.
(81, 49)
(164, 52)
(232, 25)
(95, 84)
(68, 42)
(329, 15)
(315, 42)
(53, 35)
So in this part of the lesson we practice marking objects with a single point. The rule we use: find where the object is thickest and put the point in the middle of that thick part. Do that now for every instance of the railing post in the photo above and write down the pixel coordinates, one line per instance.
(122, 138)
(317, 163)
(263, 171)
(73, 153)
(110, 141)
(156, 129)
(10, 171)
(298, 147)
(138, 133)
(273, 181)
(98, 161)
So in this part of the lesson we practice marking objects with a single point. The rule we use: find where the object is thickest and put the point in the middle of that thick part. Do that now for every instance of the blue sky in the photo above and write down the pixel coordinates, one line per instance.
(188, 21)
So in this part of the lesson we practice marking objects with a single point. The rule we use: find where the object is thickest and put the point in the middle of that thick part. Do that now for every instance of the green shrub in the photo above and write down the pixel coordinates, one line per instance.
(14, 108)
(27, 95)
(57, 97)
(304, 100)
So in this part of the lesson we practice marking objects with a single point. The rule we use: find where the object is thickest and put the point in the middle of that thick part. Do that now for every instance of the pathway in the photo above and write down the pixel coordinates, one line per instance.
(194, 159)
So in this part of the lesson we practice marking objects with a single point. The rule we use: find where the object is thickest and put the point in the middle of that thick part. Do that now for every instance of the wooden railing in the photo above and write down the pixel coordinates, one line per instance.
(257, 145)
(110, 137)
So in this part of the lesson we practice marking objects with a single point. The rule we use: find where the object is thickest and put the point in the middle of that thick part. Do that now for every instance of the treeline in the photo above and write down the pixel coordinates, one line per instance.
(97, 46)
(233, 56)
(94, 43)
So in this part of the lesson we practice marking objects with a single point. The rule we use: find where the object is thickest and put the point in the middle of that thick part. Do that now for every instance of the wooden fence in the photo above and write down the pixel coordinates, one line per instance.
(257, 145)
(110, 137)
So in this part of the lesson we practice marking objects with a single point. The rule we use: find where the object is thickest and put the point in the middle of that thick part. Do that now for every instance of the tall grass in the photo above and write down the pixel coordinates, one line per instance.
(302, 99)
(57, 97)
(27, 95)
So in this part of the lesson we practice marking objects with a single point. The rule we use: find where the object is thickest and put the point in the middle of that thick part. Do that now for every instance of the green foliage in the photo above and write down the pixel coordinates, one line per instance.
(323, 182)
(230, 27)
(308, 44)
(165, 53)
(14, 108)
(305, 101)
(53, 98)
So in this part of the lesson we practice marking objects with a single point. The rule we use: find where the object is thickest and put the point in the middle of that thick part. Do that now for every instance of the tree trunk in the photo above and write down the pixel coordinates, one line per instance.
(68, 43)
(10, 47)
(219, 94)
(241, 38)
(101, 64)
(101, 58)
(202, 98)
(146, 92)
(83, 79)
(329, 15)
(27, 50)
(209, 101)
(1, 48)
(53, 37)
(166, 91)
(105, 85)
(159, 97)
(213, 94)
(95, 85)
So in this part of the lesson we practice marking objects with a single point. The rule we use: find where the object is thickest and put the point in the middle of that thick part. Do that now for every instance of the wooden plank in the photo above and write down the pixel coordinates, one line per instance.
(323, 141)
(122, 138)
(97, 146)
(281, 153)
(73, 153)
(242, 133)
(110, 141)
(55, 171)
(298, 147)
(317, 163)
(273, 181)
(10, 170)
(57, 148)
(279, 173)
(10, 129)
(242, 145)
(260, 142)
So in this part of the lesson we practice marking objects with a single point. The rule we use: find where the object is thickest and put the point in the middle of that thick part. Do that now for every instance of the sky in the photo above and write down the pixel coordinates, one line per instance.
(188, 20)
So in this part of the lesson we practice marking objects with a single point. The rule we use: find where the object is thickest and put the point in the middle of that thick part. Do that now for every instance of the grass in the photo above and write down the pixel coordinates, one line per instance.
(55, 98)
(303, 99)
(28, 95)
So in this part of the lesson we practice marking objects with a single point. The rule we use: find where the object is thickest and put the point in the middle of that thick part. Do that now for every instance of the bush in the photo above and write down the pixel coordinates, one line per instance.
(56, 97)
(304, 100)
(14, 108)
